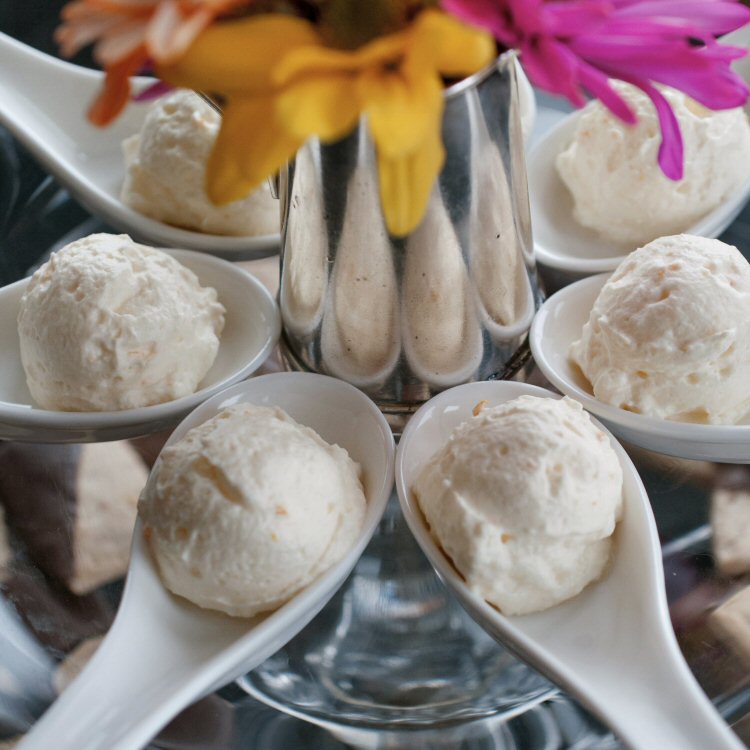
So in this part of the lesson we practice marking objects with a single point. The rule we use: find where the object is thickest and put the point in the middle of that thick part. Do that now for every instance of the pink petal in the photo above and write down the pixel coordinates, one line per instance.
(576, 17)
(599, 85)
(671, 150)
(552, 67)
(711, 16)
(154, 91)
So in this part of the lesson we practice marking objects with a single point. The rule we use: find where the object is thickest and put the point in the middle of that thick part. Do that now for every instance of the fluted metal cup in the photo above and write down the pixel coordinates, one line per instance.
(403, 319)
(450, 303)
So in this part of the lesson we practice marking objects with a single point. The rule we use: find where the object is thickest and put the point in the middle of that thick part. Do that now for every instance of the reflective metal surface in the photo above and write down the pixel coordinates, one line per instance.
(449, 303)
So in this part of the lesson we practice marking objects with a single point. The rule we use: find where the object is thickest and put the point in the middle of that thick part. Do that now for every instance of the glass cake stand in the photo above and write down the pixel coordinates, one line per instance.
(393, 661)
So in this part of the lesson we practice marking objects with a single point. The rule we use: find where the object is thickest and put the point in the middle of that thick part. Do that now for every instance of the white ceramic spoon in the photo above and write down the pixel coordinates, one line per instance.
(43, 103)
(162, 652)
(560, 242)
(612, 646)
(559, 323)
(251, 329)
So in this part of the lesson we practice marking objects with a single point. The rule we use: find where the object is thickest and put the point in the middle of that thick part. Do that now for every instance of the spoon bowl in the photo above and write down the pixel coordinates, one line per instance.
(43, 102)
(250, 332)
(162, 652)
(612, 646)
(560, 242)
(559, 323)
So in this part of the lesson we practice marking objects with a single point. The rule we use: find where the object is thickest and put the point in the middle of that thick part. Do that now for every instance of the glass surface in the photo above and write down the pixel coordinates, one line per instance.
(42, 621)
(394, 650)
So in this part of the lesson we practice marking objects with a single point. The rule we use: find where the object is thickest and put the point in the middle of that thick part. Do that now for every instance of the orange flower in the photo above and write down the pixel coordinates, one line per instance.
(127, 34)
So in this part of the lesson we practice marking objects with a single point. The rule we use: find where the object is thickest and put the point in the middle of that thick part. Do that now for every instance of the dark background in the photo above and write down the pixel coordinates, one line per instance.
(34, 22)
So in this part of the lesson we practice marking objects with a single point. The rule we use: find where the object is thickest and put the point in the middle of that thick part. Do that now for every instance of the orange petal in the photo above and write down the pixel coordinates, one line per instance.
(170, 33)
(162, 27)
(73, 37)
(120, 42)
(115, 94)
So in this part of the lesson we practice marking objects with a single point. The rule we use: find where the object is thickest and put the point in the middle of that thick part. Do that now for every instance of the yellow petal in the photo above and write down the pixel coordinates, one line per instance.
(406, 183)
(238, 56)
(443, 43)
(383, 49)
(251, 146)
(324, 105)
(400, 109)
(311, 60)
(320, 59)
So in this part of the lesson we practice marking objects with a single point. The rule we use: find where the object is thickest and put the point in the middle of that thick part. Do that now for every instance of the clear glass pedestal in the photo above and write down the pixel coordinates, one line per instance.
(394, 654)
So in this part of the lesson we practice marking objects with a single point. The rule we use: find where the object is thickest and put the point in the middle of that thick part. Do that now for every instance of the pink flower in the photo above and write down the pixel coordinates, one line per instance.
(569, 47)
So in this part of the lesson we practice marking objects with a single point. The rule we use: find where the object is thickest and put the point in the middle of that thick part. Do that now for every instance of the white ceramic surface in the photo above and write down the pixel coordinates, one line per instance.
(43, 103)
(251, 329)
(612, 646)
(162, 652)
(559, 323)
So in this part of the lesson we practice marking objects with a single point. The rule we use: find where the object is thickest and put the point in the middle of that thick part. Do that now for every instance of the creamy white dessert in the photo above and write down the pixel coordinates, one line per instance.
(249, 508)
(669, 334)
(166, 170)
(612, 173)
(108, 324)
(524, 499)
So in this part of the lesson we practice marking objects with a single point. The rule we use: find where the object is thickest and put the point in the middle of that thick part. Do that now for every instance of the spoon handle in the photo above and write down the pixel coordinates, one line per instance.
(158, 657)
(29, 83)
(651, 700)
(129, 690)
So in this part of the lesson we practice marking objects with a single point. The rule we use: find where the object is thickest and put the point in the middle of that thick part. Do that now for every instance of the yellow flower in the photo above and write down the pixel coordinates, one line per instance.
(282, 84)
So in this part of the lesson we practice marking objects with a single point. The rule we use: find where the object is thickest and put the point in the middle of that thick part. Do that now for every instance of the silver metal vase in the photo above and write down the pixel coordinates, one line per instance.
(450, 303)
